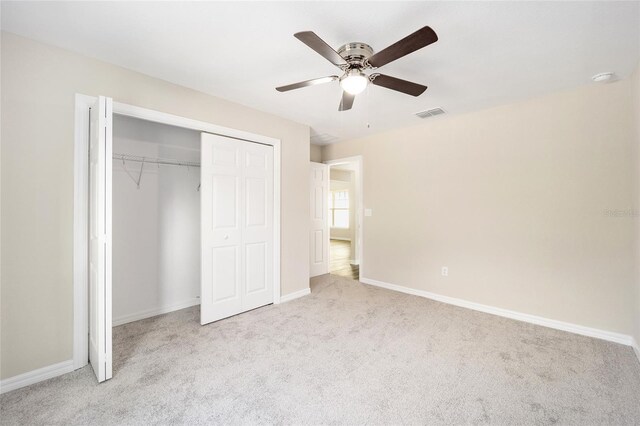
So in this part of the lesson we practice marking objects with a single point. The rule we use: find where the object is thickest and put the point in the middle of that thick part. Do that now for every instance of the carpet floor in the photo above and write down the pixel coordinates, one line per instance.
(347, 354)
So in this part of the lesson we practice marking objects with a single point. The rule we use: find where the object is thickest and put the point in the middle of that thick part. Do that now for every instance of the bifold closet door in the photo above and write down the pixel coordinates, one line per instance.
(100, 142)
(236, 226)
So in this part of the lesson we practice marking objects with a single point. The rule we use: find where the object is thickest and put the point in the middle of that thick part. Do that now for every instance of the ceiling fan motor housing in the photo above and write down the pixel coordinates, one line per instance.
(356, 54)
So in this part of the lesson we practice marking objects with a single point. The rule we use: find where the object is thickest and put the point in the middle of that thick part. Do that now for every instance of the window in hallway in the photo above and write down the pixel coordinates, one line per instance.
(339, 209)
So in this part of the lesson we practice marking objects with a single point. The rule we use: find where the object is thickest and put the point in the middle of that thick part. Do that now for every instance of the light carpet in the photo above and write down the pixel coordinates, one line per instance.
(347, 354)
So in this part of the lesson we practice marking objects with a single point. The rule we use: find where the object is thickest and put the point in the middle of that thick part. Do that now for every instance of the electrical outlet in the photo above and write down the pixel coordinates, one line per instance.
(445, 271)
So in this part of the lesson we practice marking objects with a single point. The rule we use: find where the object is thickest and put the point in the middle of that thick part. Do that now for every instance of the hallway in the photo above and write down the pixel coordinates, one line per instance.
(340, 260)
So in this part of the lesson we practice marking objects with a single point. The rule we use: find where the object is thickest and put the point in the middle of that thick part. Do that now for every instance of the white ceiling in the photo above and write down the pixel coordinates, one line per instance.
(489, 53)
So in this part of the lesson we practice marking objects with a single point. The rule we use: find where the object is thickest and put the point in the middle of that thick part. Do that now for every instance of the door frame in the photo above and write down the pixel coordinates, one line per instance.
(357, 159)
(81, 206)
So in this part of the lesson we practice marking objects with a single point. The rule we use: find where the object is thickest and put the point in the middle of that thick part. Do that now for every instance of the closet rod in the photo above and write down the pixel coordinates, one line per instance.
(151, 160)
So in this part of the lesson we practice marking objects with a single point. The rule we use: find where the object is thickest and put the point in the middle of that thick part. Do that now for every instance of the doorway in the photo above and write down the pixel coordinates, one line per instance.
(231, 255)
(345, 217)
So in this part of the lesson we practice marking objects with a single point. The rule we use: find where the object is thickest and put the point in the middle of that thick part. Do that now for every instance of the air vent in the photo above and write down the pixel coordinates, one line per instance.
(323, 138)
(430, 112)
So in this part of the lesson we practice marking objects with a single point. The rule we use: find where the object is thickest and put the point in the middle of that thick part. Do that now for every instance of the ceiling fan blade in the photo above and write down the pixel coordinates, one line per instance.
(307, 83)
(397, 84)
(316, 43)
(347, 101)
(421, 38)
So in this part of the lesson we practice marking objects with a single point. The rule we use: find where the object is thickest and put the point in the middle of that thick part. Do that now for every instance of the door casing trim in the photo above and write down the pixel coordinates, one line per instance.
(359, 174)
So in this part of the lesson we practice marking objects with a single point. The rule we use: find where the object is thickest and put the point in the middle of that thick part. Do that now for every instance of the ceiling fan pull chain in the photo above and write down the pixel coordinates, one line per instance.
(140, 175)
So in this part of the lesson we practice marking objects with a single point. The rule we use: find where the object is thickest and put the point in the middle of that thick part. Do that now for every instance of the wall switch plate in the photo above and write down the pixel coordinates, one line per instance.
(368, 212)
(445, 271)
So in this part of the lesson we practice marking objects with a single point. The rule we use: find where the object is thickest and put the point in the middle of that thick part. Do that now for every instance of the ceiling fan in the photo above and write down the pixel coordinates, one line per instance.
(355, 58)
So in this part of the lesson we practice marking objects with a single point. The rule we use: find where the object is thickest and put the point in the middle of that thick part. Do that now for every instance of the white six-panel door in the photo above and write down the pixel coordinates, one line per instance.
(318, 238)
(236, 226)
(100, 146)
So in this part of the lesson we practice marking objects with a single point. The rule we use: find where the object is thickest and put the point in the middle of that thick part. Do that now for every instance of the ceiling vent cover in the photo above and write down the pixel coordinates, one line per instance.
(323, 138)
(430, 112)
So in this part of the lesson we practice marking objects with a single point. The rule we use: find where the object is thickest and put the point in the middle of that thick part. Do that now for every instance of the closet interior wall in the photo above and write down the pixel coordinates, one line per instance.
(156, 224)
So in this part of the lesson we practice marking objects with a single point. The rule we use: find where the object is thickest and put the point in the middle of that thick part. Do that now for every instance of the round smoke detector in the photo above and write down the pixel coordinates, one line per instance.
(603, 77)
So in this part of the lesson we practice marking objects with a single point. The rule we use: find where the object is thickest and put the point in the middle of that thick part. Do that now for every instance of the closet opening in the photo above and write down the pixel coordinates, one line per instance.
(155, 228)
(171, 216)
(155, 219)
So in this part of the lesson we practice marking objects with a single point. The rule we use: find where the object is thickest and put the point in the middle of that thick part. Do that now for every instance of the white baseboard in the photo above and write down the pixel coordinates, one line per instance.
(533, 319)
(340, 238)
(35, 376)
(636, 349)
(124, 319)
(295, 295)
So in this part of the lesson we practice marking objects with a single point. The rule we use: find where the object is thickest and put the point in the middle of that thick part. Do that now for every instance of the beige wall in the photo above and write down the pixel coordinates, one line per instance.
(315, 152)
(512, 199)
(341, 175)
(39, 83)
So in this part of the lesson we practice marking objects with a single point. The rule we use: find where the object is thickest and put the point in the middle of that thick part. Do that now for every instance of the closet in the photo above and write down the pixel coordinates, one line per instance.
(179, 212)
(156, 219)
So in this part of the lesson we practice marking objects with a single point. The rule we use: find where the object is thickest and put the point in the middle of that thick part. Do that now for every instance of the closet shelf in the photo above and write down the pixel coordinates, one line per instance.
(152, 160)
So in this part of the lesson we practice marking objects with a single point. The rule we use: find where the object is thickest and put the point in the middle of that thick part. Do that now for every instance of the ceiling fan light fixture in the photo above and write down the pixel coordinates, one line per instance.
(354, 82)
(356, 57)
